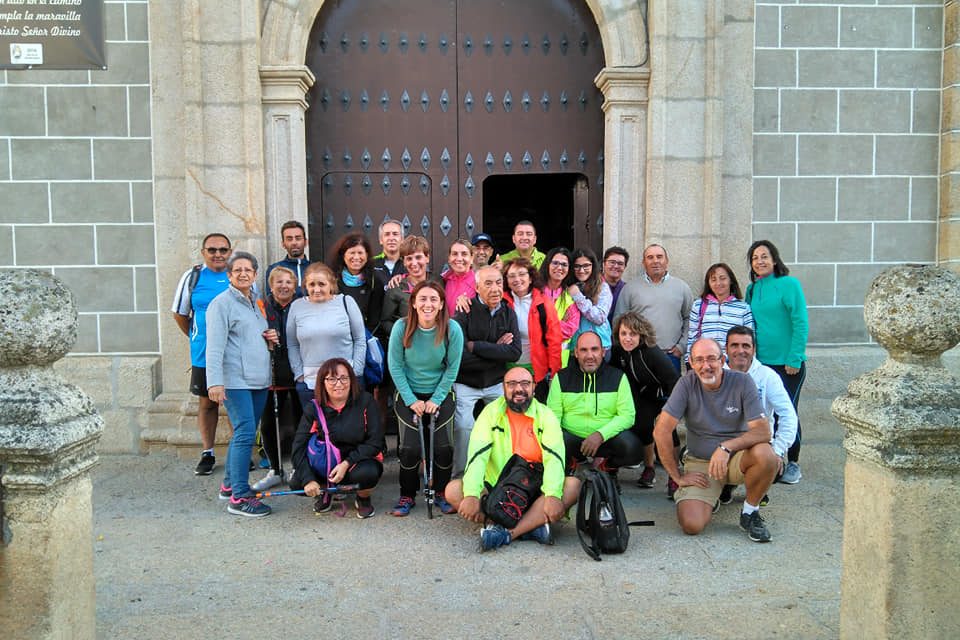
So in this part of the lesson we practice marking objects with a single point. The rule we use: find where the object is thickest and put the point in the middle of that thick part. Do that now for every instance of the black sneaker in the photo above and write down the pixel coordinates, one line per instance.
(754, 526)
(726, 496)
(205, 467)
(323, 503)
(765, 500)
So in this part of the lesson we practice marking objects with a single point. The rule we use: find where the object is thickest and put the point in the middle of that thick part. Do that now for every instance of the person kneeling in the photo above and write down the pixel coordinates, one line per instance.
(514, 436)
(352, 420)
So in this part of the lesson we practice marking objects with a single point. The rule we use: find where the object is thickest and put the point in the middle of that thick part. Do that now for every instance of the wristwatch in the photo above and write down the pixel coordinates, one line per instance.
(723, 448)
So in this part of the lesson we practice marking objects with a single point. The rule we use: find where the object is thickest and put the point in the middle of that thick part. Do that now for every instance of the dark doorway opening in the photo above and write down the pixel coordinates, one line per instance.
(550, 201)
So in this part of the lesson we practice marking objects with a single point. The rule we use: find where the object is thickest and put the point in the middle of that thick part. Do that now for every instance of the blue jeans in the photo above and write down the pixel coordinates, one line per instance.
(244, 406)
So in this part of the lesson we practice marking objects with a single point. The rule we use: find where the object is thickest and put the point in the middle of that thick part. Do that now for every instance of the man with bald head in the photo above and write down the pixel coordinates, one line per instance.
(491, 340)
(515, 424)
(728, 441)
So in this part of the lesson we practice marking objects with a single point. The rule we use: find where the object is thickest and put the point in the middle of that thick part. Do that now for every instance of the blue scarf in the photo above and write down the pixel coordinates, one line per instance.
(352, 280)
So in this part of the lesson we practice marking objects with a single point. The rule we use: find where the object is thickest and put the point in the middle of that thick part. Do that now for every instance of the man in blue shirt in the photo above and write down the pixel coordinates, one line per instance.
(197, 287)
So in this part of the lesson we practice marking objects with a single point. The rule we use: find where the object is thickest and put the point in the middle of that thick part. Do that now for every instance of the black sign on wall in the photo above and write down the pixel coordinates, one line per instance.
(52, 34)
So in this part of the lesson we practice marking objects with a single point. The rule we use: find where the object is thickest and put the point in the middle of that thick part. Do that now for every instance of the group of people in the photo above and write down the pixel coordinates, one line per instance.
(552, 357)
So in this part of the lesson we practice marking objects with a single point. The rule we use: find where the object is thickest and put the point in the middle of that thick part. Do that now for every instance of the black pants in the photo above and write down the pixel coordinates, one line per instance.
(365, 473)
(793, 384)
(622, 450)
(268, 426)
(409, 451)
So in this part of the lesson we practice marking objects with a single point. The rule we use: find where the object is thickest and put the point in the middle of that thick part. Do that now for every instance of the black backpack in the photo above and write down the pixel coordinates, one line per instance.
(601, 522)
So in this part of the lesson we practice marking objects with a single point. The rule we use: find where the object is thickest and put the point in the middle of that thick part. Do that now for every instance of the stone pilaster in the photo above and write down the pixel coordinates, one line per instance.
(949, 230)
(48, 429)
(625, 150)
(901, 536)
(284, 148)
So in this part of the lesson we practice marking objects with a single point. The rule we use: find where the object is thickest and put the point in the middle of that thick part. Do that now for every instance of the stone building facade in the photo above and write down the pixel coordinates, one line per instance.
(827, 127)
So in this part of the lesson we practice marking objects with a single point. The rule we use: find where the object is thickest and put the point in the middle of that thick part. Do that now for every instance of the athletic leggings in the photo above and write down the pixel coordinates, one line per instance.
(793, 384)
(409, 445)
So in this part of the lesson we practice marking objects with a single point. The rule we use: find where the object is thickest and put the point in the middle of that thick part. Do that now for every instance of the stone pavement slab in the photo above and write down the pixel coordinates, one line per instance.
(171, 563)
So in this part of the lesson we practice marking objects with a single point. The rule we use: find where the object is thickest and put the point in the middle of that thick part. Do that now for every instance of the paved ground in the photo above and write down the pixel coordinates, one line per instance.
(171, 563)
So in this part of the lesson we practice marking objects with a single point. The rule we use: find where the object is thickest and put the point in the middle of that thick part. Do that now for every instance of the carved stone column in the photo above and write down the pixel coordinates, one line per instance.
(625, 152)
(284, 147)
(48, 429)
(901, 534)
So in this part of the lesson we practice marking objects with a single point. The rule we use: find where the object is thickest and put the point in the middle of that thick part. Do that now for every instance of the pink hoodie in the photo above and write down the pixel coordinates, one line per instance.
(455, 285)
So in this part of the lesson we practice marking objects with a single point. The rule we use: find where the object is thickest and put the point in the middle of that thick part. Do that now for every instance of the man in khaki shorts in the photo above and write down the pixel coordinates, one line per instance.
(728, 441)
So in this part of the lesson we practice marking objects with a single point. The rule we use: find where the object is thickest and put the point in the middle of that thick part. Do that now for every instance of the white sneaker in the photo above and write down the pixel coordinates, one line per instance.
(269, 481)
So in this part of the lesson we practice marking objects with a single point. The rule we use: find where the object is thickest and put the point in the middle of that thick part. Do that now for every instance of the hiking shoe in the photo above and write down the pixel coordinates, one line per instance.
(671, 488)
(791, 473)
(765, 500)
(205, 467)
(364, 507)
(493, 536)
(441, 503)
(268, 481)
(541, 534)
(249, 507)
(754, 526)
(648, 478)
(323, 503)
(225, 492)
(726, 495)
(403, 506)
(716, 506)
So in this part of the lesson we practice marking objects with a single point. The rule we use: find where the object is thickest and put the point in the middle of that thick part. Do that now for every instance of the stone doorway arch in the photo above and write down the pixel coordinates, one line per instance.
(285, 31)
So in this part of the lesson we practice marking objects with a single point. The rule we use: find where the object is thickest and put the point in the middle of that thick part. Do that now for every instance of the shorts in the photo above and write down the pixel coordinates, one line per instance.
(198, 381)
(711, 494)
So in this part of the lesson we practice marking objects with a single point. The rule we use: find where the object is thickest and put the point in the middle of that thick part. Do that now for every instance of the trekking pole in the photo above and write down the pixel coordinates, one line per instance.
(418, 423)
(339, 488)
(428, 484)
(276, 409)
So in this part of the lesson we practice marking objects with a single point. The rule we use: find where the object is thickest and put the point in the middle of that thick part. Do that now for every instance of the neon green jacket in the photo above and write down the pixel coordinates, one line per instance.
(491, 445)
(588, 402)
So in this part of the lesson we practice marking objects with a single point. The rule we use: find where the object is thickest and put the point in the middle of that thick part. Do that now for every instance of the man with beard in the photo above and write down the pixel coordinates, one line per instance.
(515, 423)
(728, 441)
(293, 239)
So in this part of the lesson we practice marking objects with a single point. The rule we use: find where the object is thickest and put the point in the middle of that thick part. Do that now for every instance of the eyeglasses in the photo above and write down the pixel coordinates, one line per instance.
(616, 263)
(243, 270)
(557, 263)
(339, 380)
(706, 359)
(582, 267)
(523, 384)
(221, 250)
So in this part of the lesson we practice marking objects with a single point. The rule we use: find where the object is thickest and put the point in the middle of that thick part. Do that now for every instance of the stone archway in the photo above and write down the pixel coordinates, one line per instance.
(285, 79)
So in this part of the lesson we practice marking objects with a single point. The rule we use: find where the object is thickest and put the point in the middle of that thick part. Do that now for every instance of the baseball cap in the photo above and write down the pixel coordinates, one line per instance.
(481, 237)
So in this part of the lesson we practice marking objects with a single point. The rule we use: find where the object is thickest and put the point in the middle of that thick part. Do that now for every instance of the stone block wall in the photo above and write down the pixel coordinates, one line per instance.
(76, 199)
(846, 146)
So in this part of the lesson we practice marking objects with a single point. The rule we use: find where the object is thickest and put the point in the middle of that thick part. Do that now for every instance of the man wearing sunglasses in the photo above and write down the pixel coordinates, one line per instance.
(728, 441)
(198, 286)
(515, 424)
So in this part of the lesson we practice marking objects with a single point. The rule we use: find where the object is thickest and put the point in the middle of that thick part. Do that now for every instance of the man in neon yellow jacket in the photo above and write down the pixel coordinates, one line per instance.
(515, 424)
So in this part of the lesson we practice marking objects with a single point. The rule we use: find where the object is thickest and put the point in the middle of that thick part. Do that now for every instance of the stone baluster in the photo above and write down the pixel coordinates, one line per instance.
(901, 532)
(48, 429)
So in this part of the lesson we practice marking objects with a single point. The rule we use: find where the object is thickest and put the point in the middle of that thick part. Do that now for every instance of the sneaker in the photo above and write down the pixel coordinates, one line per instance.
(541, 534)
(403, 507)
(726, 495)
(225, 492)
(205, 467)
(323, 503)
(754, 526)
(493, 536)
(671, 488)
(441, 503)
(648, 478)
(791, 473)
(268, 481)
(249, 507)
(252, 466)
(716, 506)
(765, 500)
(364, 507)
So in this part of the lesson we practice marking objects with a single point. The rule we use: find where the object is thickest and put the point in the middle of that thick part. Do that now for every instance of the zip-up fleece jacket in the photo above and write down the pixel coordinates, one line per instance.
(488, 361)
(491, 445)
(588, 402)
(297, 265)
(237, 354)
(780, 311)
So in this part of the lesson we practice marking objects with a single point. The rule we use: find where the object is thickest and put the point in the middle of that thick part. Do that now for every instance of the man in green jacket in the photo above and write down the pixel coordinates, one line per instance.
(515, 424)
(595, 408)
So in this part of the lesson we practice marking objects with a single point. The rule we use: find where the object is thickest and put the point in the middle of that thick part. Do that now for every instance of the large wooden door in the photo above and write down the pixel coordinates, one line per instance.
(417, 103)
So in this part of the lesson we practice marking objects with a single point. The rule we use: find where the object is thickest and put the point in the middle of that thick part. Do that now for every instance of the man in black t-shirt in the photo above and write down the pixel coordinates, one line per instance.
(728, 441)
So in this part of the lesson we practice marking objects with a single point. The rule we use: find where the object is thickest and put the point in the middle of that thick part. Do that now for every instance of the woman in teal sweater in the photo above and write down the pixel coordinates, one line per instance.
(424, 358)
(780, 313)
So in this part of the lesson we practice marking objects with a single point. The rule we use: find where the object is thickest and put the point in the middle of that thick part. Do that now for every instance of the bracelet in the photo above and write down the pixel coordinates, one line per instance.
(723, 448)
